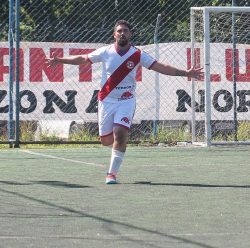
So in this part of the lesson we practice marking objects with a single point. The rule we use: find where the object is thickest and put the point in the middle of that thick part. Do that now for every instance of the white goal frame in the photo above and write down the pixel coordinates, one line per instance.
(206, 66)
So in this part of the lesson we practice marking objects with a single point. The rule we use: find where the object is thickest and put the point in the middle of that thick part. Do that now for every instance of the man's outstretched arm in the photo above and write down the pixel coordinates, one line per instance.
(72, 60)
(173, 71)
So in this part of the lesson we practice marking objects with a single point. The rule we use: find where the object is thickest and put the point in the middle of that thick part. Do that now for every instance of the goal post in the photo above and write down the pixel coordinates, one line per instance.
(220, 43)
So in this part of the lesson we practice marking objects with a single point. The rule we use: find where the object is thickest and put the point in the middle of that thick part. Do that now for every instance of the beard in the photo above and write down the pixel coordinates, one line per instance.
(123, 42)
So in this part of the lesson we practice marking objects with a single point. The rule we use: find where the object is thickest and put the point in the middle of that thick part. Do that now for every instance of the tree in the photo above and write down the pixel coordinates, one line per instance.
(93, 20)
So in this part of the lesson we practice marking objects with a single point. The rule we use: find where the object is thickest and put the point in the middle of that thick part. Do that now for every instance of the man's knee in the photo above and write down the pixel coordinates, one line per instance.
(106, 143)
(120, 135)
(107, 140)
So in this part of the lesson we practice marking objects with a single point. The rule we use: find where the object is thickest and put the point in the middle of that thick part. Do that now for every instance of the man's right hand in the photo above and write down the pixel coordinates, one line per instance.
(52, 62)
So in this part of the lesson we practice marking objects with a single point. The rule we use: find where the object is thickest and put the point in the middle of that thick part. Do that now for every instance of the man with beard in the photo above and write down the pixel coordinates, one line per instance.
(116, 97)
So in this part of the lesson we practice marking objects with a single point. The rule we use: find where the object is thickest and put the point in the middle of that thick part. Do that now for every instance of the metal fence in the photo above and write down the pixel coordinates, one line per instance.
(59, 105)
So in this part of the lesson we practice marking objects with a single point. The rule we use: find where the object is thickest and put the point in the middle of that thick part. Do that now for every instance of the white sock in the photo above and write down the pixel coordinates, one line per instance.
(116, 161)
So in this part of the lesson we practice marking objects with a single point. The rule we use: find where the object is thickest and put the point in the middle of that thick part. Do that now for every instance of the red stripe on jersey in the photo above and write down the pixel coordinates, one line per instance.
(119, 74)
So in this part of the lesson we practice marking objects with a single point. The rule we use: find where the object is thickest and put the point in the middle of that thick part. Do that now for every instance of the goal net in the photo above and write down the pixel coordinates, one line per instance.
(220, 43)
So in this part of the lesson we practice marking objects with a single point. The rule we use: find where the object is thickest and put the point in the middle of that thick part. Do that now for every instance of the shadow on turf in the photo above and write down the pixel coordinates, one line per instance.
(191, 185)
(109, 221)
(48, 183)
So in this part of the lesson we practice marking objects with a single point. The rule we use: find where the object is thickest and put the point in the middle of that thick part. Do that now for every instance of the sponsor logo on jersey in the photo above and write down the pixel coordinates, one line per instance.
(125, 119)
(126, 95)
(130, 65)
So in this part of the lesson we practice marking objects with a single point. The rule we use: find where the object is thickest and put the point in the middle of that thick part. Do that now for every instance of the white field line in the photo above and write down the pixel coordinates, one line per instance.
(61, 158)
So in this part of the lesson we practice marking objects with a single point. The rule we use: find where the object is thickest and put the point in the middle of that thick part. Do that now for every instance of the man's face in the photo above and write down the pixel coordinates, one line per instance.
(122, 35)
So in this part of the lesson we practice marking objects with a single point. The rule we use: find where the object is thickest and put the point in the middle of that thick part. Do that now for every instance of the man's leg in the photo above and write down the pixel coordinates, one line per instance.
(114, 125)
(107, 140)
(119, 142)
(118, 149)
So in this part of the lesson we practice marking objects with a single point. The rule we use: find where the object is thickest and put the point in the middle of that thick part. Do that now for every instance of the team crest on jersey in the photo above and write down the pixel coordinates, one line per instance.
(130, 65)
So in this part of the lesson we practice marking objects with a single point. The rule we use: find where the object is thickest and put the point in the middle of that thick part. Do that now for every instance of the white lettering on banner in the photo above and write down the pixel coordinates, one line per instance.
(69, 92)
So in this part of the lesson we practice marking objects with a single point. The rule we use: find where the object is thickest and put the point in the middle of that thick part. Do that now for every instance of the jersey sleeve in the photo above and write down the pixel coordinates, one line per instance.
(147, 60)
(96, 56)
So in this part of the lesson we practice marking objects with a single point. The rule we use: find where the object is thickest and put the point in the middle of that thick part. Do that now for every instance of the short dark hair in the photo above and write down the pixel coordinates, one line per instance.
(122, 22)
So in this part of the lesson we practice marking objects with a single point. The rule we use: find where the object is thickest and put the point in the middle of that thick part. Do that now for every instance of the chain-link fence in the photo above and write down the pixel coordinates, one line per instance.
(58, 105)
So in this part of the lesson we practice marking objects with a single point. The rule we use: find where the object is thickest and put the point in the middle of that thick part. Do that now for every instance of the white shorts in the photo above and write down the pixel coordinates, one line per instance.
(111, 114)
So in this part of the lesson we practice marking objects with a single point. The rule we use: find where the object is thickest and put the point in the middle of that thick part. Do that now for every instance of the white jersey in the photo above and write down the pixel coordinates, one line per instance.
(119, 71)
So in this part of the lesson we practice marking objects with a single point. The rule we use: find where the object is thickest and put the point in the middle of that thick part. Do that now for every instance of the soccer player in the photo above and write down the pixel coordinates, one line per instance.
(116, 98)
